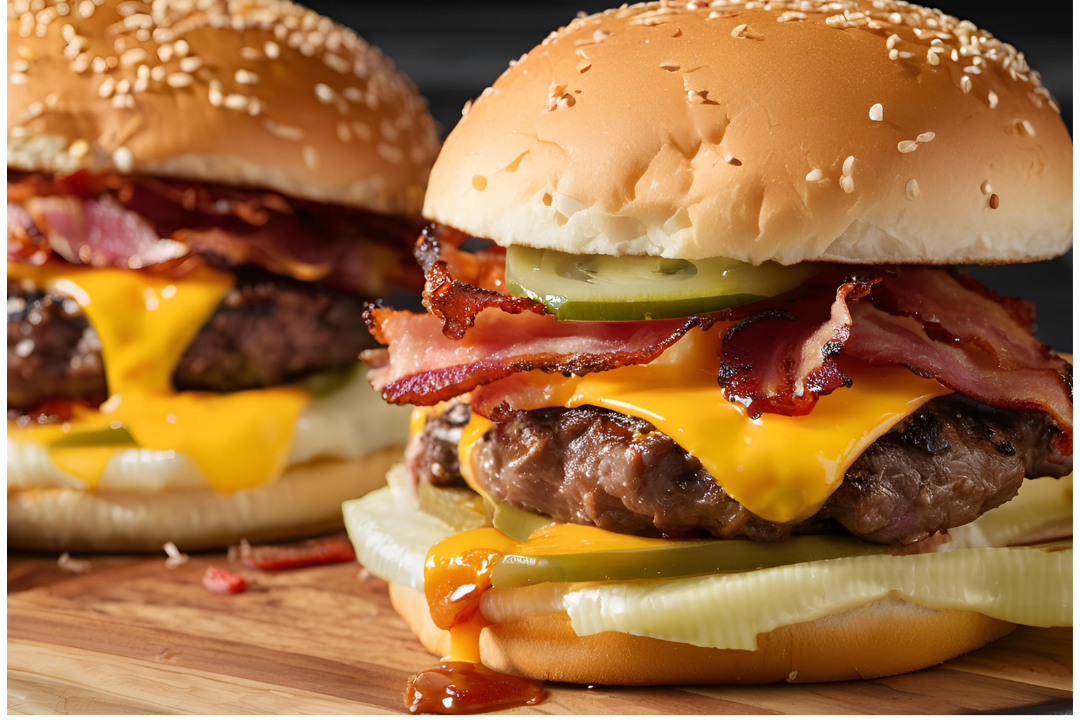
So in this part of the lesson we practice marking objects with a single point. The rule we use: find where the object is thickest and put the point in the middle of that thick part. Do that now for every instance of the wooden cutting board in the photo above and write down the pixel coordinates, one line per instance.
(131, 636)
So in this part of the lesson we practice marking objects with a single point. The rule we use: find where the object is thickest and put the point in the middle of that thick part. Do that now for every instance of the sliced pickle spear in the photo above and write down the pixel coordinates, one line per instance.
(604, 287)
(95, 438)
(460, 508)
(675, 560)
(516, 523)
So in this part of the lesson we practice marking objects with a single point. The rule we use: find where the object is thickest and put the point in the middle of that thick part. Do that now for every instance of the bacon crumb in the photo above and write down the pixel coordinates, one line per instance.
(321, 551)
(223, 582)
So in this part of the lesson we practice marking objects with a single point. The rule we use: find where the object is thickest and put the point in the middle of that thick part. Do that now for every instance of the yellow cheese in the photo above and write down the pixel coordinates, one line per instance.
(780, 468)
(145, 322)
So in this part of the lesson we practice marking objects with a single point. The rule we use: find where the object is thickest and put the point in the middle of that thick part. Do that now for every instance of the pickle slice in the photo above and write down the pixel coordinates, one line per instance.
(675, 560)
(603, 287)
(460, 508)
(514, 522)
(95, 438)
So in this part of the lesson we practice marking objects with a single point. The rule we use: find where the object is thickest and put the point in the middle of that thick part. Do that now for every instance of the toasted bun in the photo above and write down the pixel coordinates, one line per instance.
(691, 132)
(264, 93)
(305, 500)
(887, 637)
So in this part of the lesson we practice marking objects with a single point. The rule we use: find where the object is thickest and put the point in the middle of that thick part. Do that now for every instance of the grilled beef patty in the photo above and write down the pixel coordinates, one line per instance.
(268, 330)
(940, 468)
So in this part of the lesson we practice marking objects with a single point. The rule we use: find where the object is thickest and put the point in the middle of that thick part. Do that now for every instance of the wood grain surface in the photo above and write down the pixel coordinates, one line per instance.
(131, 636)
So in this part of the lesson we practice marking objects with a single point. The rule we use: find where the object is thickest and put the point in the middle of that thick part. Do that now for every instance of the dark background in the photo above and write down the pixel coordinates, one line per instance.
(453, 50)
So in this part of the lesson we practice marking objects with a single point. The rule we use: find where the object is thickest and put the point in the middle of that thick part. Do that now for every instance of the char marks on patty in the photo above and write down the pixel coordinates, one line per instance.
(942, 467)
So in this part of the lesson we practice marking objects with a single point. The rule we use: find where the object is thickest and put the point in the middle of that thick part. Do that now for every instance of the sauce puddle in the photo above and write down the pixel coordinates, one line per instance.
(462, 688)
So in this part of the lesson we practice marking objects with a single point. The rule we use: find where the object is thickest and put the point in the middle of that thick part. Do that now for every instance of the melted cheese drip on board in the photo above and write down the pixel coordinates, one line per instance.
(145, 323)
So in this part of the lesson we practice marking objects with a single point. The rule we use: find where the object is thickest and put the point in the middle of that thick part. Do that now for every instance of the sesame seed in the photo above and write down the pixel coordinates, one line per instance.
(985, 188)
(190, 64)
(965, 83)
(925, 137)
(179, 80)
(182, 48)
(877, 113)
(904, 55)
(123, 159)
(344, 133)
(235, 101)
(911, 189)
(324, 93)
(390, 153)
(847, 183)
(272, 49)
(894, 54)
(78, 149)
(24, 347)
(105, 89)
(18, 79)
(836, 21)
(246, 77)
(995, 201)
(906, 146)
(891, 42)
(165, 53)
(310, 156)
(992, 99)
(932, 58)
(848, 163)
(134, 56)
(1028, 127)
(736, 32)
(157, 73)
(285, 132)
(814, 175)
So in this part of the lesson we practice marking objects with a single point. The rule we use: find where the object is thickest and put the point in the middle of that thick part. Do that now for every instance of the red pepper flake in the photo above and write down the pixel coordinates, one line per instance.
(223, 582)
(321, 551)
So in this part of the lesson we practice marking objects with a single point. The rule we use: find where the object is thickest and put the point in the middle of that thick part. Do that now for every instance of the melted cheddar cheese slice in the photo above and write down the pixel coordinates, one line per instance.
(780, 468)
(146, 322)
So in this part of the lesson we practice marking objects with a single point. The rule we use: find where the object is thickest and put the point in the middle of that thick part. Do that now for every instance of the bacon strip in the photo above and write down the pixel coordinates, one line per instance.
(780, 360)
(146, 222)
(951, 329)
(426, 366)
(459, 285)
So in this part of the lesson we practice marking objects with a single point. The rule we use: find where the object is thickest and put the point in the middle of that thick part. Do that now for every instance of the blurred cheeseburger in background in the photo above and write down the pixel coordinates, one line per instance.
(201, 196)
(730, 410)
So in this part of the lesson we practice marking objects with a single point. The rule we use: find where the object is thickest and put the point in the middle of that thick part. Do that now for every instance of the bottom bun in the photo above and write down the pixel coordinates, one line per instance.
(305, 500)
(887, 637)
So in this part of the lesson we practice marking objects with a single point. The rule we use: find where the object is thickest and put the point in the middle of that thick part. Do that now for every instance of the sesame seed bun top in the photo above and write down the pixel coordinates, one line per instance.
(850, 131)
(264, 93)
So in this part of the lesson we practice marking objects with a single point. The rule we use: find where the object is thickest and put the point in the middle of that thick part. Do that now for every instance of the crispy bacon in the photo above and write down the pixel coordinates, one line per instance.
(222, 582)
(459, 285)
(146, 222)
(781, 359)
(426, 366)
(948, 327)
(320, 551)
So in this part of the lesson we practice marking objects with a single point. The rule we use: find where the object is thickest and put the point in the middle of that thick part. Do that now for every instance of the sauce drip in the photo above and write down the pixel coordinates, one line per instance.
(461, 688)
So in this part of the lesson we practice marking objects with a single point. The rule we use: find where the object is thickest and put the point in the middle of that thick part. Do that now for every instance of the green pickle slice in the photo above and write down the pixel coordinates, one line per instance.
(607, 288)
(706, 557)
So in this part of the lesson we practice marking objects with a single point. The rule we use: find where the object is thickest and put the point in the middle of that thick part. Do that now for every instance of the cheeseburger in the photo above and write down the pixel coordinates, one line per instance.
(716, 404)
(201, 196)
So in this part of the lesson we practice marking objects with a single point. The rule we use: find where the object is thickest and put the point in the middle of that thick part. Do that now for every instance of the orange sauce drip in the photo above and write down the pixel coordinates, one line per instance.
(460, 688)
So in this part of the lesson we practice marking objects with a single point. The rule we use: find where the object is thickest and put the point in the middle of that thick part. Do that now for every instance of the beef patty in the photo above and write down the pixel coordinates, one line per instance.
(940, 468)
(267, 330)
